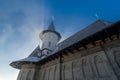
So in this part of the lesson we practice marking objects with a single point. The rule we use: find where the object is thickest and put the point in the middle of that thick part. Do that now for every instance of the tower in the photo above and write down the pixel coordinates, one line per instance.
(50, 38)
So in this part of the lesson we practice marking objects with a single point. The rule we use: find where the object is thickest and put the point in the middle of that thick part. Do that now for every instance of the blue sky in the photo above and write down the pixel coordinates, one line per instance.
(21, 21)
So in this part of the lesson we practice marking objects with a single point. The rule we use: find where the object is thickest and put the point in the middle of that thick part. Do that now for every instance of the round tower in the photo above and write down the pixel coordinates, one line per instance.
(50, 38)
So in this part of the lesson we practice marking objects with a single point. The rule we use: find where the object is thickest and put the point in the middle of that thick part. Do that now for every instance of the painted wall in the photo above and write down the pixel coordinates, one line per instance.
(98, 63)
(49, 41)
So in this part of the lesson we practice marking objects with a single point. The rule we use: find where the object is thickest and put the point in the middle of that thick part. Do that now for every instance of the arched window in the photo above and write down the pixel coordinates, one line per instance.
(49, 44)
(29, 75)
(21, 75)
(47, 52)
(43, 45)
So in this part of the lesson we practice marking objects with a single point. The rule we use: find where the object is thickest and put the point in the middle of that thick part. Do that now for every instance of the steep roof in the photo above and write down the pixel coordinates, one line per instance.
(91, 29)
(35, 53)
(51, 26)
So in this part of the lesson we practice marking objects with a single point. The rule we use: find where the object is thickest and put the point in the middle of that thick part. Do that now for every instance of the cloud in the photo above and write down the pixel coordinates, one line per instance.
(20, 35)
(6, 33)
(8, 75)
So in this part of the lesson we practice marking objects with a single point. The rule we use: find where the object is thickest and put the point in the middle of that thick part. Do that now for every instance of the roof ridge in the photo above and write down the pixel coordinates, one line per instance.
(102, 21)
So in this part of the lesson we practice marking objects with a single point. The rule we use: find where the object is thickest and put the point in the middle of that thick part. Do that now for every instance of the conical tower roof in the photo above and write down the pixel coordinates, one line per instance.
(51, 26)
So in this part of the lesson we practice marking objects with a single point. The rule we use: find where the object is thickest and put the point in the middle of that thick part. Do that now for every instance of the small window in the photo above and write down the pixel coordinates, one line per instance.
(47, 52)
(49, 44)
(43, 45)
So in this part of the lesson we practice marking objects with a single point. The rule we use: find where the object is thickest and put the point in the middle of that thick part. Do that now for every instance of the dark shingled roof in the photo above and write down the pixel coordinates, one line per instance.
(86, 32)
(93, 28)
(89, 30)
(35, 52)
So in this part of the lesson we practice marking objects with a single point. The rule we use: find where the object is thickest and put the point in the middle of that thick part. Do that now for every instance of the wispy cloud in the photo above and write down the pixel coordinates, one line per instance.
(20, 35)
(6, 33)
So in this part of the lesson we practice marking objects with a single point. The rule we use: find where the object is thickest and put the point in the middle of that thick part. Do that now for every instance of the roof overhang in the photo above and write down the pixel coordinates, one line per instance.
(45, 31)
(107, 32)
(19, 63)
